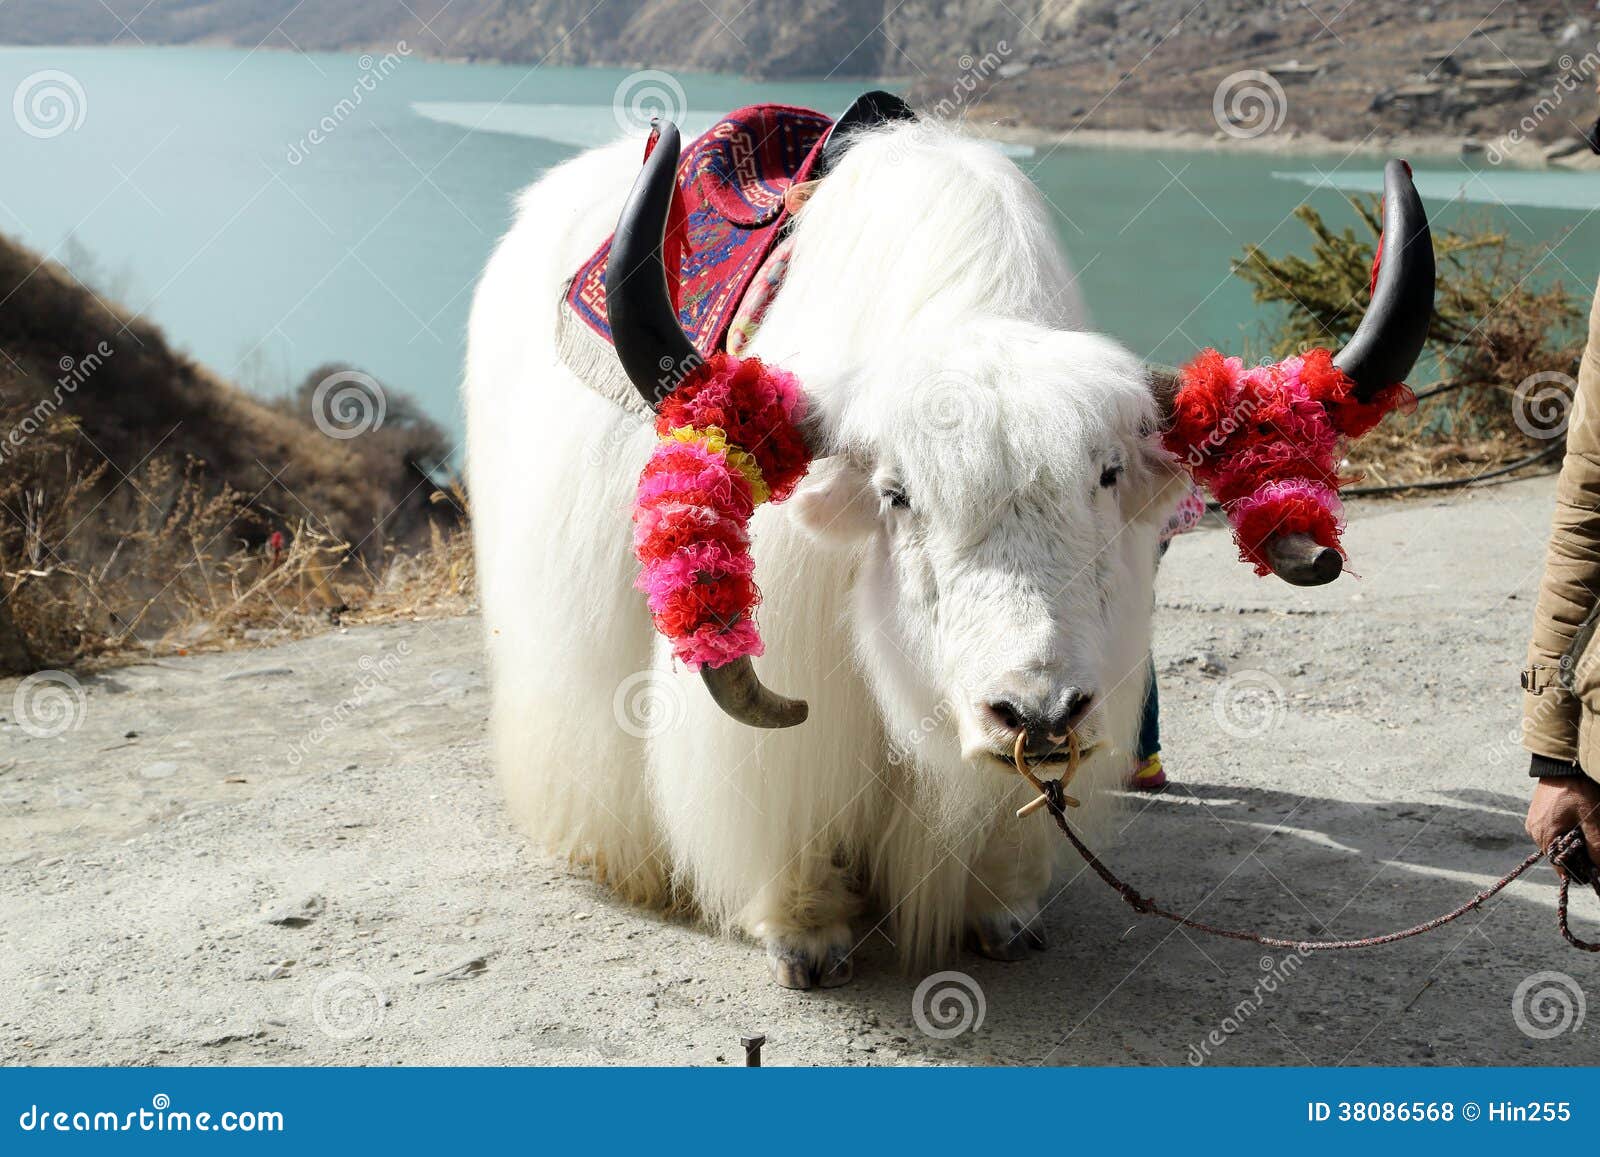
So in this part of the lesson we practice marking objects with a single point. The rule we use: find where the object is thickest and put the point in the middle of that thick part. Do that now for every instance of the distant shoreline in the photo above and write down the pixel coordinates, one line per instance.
(1527, 155)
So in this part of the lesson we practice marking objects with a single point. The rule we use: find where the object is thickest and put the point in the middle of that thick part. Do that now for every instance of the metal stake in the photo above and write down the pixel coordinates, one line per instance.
(752, 1043)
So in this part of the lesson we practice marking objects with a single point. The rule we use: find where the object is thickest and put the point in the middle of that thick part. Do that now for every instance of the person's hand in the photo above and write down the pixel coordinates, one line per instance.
(1561, 804)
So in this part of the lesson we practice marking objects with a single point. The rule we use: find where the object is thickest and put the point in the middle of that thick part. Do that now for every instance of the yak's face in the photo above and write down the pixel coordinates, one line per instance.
(1006, 491)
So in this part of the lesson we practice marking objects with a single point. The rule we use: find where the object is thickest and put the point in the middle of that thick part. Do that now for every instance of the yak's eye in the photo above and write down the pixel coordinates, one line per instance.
(1109, 476)
(895, 497)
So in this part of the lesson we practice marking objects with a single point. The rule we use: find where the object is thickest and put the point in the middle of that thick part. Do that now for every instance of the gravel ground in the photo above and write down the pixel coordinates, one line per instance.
(297, 855)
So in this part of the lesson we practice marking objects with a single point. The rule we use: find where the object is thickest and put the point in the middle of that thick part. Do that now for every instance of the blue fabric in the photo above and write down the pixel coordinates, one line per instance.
(1150, 721)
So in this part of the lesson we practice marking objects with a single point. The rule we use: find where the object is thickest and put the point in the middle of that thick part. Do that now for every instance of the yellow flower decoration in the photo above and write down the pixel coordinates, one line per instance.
(715, 440)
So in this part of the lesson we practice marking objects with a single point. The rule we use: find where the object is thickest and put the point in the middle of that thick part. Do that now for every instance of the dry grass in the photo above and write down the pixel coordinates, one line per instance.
(147, 506)
(1500, 336)
(169, 562)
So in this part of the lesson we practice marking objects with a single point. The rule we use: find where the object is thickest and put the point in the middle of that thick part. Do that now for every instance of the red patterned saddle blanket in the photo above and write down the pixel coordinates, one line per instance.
(728, 217)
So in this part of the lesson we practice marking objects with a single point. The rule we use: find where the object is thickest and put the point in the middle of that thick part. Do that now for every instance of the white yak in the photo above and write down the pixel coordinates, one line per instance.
(970, 559)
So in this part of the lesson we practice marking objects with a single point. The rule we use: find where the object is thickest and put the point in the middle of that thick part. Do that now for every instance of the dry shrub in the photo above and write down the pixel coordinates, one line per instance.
(1497, 325)
(169, 562)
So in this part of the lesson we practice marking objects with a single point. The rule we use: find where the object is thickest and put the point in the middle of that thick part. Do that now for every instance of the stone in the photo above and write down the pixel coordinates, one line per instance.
(461, 970)
(297, 914)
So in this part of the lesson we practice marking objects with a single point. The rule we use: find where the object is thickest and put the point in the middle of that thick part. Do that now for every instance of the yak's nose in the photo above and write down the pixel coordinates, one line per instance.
(1045, 723)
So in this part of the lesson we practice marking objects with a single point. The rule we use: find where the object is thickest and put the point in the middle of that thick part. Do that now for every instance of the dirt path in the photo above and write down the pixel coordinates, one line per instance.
(297, 855)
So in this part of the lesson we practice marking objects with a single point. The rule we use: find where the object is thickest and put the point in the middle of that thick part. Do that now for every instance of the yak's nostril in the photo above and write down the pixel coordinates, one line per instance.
(1008, 714)
(1071, 707)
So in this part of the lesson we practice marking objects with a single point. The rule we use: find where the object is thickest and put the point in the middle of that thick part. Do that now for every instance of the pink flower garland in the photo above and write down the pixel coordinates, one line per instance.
(730, 440)
(1265, 441)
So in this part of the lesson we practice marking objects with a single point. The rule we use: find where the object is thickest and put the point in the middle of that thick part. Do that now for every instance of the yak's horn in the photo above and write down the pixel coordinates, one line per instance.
(738, 692)
(1164, 383)
(653, 349)
(1299, 560)
(1390, 337)
(656, 354)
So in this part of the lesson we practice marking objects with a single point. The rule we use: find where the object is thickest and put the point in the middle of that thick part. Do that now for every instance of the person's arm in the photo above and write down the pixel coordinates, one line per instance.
(1567, 795)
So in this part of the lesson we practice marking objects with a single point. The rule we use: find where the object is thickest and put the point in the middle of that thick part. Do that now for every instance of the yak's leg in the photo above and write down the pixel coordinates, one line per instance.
(768, 828)
(803, 919)
(552, 466)
(1006, 885)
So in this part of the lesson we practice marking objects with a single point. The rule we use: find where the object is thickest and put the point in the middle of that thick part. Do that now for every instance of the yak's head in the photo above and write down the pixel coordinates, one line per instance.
(1002, 479)
(1003, 485)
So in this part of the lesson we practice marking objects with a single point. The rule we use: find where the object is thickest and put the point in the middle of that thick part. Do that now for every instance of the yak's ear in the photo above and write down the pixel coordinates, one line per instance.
(1154, 483)
(837, 502)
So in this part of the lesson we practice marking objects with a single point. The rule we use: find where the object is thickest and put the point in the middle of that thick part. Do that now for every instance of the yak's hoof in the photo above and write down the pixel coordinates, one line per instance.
(800, 968)
(838, 966)
(1004, 937)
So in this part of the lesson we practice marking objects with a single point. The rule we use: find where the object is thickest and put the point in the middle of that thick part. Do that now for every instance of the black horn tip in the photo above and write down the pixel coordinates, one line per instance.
(1390, 338)
(650, 344)
(1298, 559)
(736, 689)
(869, 110)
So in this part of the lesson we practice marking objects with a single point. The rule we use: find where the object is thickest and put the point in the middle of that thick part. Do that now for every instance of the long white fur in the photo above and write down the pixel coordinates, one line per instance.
(935, 323)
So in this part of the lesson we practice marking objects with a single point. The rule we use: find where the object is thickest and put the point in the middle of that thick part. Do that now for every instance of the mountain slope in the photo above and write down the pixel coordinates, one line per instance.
(1468, 67)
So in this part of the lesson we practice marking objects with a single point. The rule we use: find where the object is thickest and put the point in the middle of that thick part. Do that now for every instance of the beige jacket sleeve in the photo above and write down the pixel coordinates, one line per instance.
(1571, 586)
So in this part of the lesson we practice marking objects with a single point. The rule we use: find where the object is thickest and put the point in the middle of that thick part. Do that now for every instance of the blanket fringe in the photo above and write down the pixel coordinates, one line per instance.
(594, 361)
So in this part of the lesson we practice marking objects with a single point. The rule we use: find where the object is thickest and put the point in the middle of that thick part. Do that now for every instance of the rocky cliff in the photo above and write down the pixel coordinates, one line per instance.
(1468, 67)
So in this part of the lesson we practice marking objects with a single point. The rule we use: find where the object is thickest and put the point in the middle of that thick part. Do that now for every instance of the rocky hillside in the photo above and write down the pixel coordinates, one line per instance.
(1455, 67)
(77, 370)
(1469, 68)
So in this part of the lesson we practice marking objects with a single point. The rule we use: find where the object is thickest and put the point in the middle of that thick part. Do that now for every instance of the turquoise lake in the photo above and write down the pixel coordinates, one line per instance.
(185, 182)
